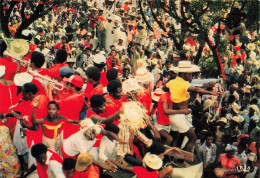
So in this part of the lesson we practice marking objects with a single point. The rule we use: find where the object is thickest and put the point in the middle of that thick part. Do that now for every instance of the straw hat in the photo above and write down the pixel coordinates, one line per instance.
(207, 104)
(135, 116)
(130, 85)
(152, 161)
(235, 107)
(230, 147)
(2, 71)
(255, 108)
(157, 94)
(141, 63)
(186, 67)
(154, 61)
(83, 162)
(142, 75)
(18, 47)
(22, 78)
(223, 119)
(251, 46)
(219, 172)
(252, 157)
(236, 119)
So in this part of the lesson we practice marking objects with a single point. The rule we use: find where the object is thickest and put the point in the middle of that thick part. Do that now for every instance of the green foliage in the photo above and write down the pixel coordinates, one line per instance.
(209, 68)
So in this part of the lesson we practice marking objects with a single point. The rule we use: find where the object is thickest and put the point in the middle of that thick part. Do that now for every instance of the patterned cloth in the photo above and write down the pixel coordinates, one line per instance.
(125, 135)
(9, 163)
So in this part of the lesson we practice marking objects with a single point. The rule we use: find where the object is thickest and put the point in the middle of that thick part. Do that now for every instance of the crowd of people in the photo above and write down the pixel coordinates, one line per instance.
(106, 96)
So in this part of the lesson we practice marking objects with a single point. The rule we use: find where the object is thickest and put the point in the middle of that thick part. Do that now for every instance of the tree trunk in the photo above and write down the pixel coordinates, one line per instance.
(215, 54)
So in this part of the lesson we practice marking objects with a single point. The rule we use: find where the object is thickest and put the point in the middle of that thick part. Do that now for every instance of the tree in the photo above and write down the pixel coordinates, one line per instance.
(39, 8)
(195, 17)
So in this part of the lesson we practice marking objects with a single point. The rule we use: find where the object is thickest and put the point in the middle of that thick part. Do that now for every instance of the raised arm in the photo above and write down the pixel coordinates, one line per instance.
(35, 103)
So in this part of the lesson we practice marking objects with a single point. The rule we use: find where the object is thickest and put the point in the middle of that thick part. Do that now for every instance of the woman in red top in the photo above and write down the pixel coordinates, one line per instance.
(50, 125)
(88, 42)
(163, 111)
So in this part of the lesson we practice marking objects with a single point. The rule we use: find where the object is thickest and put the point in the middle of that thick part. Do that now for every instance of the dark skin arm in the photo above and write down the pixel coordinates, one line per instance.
(202, 91)
(31, 169)
(110, 119)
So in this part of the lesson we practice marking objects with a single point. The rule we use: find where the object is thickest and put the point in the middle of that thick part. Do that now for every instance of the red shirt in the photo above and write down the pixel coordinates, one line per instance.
(161, 117)
(26, 109)
(59, 46)
(70, 108)
(228, 163)
(50, 129)
(103, 79)
(145, 98)
(10, 67)
(89, 92)
(55, 71)
(109, 60)
(112, 107)
(141, 172)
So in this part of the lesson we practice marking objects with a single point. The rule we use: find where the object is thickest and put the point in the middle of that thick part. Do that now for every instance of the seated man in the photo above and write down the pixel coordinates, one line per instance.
(48, 162)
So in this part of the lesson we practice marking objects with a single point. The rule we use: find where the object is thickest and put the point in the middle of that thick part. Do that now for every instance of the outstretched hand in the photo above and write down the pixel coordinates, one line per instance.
(35, 102)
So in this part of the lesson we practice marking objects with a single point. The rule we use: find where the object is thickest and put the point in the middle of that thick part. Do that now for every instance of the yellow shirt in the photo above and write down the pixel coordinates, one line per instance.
(179, 90)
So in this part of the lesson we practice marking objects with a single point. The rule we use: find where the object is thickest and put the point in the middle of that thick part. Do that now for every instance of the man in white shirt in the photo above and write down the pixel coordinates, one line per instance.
(48, 162)
(207, 154)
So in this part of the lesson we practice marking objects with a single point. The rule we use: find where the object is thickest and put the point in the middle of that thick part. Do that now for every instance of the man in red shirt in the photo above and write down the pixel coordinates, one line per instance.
(71, 106)
(113, 99)
(112, 55)
(60, 61)
(37, 61)
(114, 65)
(63, 44)
(93, 75)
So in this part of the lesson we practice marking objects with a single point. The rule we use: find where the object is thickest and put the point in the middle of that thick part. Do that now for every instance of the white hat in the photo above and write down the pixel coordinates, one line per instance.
(152, 161)
(186, 67)
(157, 94)
(2, 71)
(251, 46)
(142, 75)
(99, 59)
(230, 148)
(22, 78)
(130, 85)
(18, 47)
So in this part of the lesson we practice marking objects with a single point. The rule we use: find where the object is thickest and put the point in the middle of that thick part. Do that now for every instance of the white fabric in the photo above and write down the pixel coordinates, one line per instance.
(180, 123)
(77, 143)
(55, 168)
(107, 149)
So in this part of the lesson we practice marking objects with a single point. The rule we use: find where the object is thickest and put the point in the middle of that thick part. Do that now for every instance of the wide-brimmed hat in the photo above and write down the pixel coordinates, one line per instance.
(18, 47)
(2, 70)
(185, 67)
(207, 104)
(219, 172)
(157, 94)
(22, 78)
(142, 75)
(83, 162)
(130, 85)
(223, 119)
(235, 107)
(235, 119)
(251, 46)
(152, 161)
(254, 107)
(252, 157)
(99, 59)
(230, 147)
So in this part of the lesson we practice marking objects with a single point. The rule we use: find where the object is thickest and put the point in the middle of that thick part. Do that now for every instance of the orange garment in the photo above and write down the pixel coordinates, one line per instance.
(91, 172)
(112, 107)
(10, 67)
(55, 70)
(98, 89)
(59, 46)
(145, 98)
(116, 67)
(103, 79)
(13, 29)
(26, 109)
(162, 118)
(70, 108)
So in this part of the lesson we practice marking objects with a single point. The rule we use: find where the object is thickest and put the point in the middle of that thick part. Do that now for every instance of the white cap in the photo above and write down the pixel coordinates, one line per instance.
(2, 70)
(22, 78)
